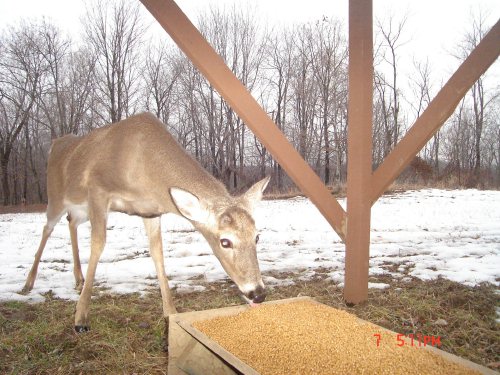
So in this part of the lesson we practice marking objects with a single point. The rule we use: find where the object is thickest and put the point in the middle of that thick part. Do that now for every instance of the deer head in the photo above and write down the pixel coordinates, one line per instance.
(228, 226)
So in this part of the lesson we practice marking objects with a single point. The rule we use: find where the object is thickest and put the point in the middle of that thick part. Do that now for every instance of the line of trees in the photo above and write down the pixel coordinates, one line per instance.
(51, 85)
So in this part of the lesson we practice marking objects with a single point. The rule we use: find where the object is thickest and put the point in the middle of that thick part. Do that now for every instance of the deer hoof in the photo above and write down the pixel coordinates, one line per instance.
(79, 287)
(82, 329)
(26, 289)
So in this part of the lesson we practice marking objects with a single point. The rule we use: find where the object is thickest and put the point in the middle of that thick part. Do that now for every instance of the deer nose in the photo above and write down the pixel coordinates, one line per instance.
(258, 295)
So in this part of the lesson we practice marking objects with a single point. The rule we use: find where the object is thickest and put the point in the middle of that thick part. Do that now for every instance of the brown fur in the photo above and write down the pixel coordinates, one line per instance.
(136, 167)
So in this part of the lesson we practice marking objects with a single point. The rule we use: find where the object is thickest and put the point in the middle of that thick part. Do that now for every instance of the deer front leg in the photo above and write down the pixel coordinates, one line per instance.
(153, 230)
(98, 219)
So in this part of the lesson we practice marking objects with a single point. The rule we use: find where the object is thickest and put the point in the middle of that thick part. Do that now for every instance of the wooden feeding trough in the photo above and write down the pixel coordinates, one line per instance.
(301, 336)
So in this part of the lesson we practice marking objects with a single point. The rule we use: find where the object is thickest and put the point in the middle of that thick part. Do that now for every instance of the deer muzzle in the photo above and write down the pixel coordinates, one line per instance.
(256, 295)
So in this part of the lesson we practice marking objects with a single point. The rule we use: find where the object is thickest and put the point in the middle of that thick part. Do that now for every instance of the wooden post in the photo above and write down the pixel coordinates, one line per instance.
(363, 186)
(359, 143)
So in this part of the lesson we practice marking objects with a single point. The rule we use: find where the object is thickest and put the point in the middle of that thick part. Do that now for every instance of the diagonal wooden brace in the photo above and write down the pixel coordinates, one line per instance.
(438, 111)
(211, 65)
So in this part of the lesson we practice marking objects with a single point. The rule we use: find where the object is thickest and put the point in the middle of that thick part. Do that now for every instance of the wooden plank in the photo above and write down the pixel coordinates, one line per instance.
(198, 359)
(359, 145)
(211, 65)
(179, 340)
(218, 350)
(462, 361)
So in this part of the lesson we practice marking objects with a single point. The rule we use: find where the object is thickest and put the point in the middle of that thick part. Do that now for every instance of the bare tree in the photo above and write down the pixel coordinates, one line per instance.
(189, 124)
(279, 69)
(67, 84)
(475, 116)
(113, 31)
(237, 37)
(387, 89)
(457, 144)
(160, 76)
(493, 144)
(21, 70)
(54, 49)
(490, 148)
(305, 94)
(479, 95)
(422, 87)
(329, 58)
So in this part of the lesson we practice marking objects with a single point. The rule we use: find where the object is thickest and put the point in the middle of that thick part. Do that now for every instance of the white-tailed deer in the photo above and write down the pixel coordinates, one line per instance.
(136, 167)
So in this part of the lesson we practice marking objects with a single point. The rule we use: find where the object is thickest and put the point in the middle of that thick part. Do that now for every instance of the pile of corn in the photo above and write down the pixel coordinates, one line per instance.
(304, 337)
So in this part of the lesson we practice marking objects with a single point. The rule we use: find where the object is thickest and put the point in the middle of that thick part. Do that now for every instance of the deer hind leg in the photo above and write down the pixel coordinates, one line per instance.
(98, 220)
(54, 214)
(153, 230)
(73, 222)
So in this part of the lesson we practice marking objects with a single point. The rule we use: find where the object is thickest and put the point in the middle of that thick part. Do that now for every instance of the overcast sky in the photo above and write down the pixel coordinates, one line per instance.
(433, 29)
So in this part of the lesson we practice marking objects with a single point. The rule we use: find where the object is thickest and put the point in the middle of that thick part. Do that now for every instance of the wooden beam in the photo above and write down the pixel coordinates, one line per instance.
(210, 64)
(359, 142)
(438, 111)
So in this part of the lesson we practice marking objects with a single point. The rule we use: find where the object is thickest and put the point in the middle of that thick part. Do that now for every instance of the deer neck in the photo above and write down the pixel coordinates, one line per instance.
(189, 175)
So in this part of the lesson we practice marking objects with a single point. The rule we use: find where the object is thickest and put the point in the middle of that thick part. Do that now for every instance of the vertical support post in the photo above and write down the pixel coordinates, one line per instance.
(359, 159)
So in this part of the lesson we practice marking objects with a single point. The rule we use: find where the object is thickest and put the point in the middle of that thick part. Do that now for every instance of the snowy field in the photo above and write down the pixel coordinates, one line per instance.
(428, 233)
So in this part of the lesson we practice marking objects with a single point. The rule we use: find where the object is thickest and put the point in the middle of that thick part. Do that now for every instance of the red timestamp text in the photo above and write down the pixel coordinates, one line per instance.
(413, 339)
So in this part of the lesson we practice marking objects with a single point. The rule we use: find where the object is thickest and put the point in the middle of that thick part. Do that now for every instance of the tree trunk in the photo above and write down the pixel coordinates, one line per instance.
(478, 102)
(27, 147)
(327, 144)
(4, 163)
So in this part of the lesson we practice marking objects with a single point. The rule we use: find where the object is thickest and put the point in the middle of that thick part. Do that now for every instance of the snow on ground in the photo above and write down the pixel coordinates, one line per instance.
(427, 233)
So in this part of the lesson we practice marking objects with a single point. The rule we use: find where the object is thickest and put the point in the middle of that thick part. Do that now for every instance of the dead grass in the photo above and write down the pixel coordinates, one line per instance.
(38, 339)
(23, 209)
(127, 333)
(338, 191)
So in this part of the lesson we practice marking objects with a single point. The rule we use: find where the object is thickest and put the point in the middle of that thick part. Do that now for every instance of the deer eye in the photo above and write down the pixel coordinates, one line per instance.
(257, 239)
(225, 243)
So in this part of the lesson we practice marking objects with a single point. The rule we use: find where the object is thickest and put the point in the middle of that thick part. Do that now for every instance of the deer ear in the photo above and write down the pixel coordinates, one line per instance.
(189, 205)
(254, 194)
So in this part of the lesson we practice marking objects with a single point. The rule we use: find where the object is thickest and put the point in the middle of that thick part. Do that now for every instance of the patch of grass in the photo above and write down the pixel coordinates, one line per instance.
(126, 337)
(127, 333)
(337, 190)
(41, 207)
(419, 307)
